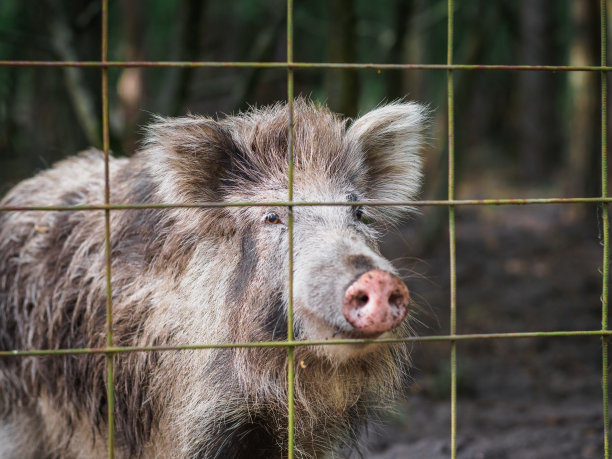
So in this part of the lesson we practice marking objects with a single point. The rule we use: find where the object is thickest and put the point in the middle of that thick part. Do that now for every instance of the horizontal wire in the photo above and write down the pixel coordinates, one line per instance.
(424, 203)
(307, 65)
(409, 339)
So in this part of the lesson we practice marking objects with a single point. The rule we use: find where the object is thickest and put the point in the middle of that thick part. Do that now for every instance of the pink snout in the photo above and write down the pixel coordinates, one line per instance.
(376, 302)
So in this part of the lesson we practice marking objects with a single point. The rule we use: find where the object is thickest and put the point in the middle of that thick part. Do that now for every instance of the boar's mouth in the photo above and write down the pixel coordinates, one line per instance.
(355, 334)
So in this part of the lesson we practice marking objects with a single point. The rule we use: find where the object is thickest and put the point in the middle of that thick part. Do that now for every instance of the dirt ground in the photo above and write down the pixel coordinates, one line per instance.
(524, 268)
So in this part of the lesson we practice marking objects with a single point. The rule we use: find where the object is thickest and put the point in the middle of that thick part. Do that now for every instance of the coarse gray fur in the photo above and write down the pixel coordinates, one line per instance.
(203, 275)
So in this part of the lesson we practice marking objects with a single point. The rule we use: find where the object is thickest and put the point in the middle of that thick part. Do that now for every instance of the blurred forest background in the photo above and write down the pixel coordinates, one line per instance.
(532, 129)
(518, 134)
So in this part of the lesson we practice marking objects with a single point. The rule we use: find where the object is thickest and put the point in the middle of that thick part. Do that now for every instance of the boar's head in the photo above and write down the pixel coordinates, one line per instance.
(343, 287)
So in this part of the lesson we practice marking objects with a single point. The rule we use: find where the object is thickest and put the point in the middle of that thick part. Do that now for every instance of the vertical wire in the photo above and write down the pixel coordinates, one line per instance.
(290, 349)
(451, 231)
(605, 228)
(110, 389)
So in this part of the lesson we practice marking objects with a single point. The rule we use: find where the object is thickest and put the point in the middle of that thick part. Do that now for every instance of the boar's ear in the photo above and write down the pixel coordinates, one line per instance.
(390, 139)
(193, 157)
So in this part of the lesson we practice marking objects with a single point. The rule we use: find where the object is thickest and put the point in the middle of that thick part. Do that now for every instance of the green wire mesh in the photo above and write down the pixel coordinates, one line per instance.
(110, 350)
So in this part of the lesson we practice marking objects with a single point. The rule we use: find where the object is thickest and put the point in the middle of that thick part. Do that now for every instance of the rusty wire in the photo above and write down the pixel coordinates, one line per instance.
(605, 228)
(291, 66)
(423, 203)
(305, 65)
(110, 356)
(290, 139)
(296, 343)
(451, 227)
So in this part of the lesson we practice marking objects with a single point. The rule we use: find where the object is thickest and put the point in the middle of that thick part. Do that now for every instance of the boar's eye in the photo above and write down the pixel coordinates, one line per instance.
(272, 219)
(362, 217)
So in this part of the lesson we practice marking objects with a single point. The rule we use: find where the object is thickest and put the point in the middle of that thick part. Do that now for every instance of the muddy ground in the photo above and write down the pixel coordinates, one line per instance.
(527, 268)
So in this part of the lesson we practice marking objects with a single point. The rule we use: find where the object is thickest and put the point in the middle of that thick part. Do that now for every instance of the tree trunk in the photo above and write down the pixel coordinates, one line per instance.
(343, 85)
(81, 98)
(130, 87)
(537, 95)
(189, 48)
(584, 125)
(395, 78)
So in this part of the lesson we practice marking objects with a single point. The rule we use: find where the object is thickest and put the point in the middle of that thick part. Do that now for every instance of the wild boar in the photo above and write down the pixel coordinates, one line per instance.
(190, 275)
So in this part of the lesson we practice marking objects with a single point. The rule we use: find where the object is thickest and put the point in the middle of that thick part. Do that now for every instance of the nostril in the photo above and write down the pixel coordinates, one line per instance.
(362, 300)
(396, 299)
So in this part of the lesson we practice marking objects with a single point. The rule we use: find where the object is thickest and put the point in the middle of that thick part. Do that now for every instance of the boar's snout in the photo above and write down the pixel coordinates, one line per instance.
(376, 302)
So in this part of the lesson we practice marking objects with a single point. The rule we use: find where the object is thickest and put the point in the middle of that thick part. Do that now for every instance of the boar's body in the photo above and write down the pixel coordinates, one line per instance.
(203, 275)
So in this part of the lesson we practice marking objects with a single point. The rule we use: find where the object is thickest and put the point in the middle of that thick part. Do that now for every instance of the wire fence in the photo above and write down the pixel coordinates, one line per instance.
(110, 351)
